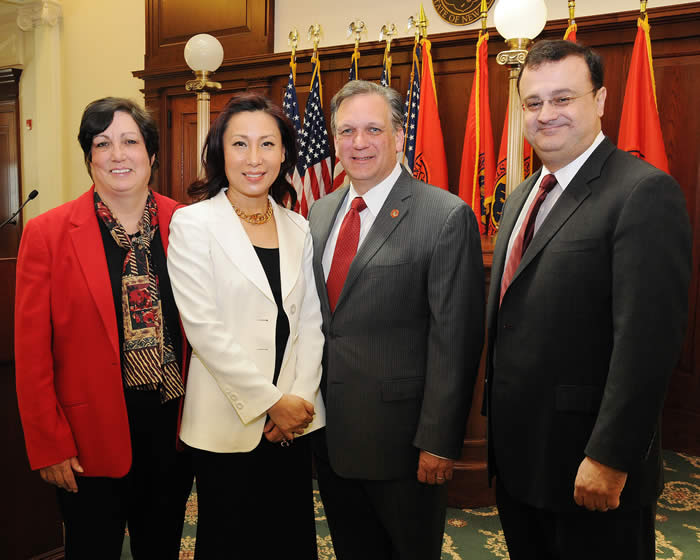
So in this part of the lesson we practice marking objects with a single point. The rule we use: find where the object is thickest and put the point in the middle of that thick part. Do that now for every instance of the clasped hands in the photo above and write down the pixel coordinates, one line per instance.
(598, 486)
(289, 416)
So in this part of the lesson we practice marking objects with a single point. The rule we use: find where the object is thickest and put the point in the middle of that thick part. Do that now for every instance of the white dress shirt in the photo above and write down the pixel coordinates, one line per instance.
(564, 176)
(374, 199)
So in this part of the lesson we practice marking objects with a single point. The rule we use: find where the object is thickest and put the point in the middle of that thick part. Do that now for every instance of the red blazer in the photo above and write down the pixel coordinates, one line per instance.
(68, 371)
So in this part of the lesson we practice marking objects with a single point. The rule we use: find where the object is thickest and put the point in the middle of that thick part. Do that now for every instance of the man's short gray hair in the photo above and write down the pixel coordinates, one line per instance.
(363, 87)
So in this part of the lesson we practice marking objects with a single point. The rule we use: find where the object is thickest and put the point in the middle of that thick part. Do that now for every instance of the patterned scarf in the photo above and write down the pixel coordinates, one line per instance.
(148, 355)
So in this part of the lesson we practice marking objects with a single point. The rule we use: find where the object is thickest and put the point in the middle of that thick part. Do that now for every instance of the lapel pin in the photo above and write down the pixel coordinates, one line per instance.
(394, 213)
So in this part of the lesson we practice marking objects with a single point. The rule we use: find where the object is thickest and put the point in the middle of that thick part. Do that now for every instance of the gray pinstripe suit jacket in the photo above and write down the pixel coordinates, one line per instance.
(403, 345)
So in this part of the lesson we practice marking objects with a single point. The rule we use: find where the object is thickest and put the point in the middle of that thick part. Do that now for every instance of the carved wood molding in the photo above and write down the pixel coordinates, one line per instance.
(334, 57)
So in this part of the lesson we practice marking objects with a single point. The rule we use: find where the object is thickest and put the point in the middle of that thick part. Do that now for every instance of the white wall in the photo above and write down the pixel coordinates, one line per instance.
(100, 44)
(103, 42)
(335, 15)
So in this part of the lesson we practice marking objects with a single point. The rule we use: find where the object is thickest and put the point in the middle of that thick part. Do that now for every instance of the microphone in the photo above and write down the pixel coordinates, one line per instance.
(10, 220)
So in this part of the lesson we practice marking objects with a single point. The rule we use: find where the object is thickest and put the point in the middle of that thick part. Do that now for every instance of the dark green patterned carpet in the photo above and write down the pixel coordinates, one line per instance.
(476, 534)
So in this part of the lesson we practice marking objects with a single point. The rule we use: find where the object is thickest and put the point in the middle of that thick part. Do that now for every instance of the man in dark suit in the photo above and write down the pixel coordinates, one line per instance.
(402, 316)
(586, 314)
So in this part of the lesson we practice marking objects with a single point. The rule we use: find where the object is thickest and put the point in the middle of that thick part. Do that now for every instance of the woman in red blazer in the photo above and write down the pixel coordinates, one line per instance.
(99, 348)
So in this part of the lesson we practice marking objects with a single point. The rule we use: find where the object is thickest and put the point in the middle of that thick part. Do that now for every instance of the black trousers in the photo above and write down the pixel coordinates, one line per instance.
(151, 498)
(535, 534)
(258, 501)
(400, 519)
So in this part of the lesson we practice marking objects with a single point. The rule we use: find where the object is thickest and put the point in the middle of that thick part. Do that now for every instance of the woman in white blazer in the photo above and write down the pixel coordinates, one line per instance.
(240, 267)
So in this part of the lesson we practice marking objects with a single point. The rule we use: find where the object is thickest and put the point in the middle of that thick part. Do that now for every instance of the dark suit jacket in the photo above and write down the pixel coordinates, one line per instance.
(403, 345)
(69, 379)
(583, 345)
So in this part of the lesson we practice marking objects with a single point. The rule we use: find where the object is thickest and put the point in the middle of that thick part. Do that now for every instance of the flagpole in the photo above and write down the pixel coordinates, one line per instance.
(412, 24)
(293, 41)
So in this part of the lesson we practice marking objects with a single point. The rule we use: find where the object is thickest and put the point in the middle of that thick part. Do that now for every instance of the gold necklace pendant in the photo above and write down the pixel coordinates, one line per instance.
(256, 219)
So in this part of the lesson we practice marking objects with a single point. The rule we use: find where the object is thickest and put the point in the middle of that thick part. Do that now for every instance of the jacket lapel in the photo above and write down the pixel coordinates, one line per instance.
(89, 249)
(384, 224)
(228, 232)
(572, 197)
(291, 243)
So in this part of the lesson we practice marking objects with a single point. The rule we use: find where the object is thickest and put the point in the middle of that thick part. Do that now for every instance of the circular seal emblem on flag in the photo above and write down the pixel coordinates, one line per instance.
(460, 12)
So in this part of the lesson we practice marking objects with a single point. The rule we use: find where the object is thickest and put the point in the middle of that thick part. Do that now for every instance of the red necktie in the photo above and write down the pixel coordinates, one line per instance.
(345, 249)
(527, 230)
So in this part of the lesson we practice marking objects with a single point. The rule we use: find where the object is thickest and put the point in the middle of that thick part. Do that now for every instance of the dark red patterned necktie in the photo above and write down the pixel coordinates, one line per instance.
(345, 249)
(527, 230)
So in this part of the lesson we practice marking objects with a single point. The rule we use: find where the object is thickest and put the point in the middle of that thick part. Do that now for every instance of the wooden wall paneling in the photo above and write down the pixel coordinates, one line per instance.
(244, 27)
(675, 32)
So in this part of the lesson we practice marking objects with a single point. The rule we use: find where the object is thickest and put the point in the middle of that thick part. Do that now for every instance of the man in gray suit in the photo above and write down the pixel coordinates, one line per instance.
(586, 314)
(399, 273)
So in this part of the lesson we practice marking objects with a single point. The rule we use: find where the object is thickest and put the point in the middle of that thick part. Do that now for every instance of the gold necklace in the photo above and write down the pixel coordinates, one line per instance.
(256, 219)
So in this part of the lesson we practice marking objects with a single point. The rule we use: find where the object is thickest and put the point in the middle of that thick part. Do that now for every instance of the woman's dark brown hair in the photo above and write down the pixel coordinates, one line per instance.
(99, 114)
(213, 154)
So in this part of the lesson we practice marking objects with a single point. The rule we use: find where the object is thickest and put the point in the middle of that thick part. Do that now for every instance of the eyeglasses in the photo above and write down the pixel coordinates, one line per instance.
(560, 102)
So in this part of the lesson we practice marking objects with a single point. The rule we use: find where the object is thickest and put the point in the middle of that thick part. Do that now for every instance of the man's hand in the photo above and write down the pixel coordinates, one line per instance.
(598, 486)
(61, 474)
(434, 470)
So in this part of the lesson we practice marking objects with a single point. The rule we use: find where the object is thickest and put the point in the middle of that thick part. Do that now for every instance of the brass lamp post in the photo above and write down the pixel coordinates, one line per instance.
(518, 22)
(203, 54)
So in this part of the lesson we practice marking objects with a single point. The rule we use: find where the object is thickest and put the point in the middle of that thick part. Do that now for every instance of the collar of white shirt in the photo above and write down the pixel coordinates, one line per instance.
(568, 172)
(376, 196)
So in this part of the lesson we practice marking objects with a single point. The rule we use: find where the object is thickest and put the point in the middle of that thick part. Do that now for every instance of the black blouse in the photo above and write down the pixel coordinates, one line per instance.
(270, 260)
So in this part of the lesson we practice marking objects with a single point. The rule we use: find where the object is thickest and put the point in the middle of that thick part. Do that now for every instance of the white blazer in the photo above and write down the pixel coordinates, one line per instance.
(229, 315)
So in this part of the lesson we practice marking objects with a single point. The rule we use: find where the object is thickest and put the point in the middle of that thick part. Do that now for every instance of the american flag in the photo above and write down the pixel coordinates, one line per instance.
(290, 106)
(385, 80)
(314, 151)
(410, 113)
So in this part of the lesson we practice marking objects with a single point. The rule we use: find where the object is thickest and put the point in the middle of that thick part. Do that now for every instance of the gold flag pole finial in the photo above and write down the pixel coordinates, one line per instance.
(356, 28)
(387, 33)
(413, 23)
(423, 23)
(293, 41)
(484, 14)
(315, 36)
(572, 8)
(643, 7)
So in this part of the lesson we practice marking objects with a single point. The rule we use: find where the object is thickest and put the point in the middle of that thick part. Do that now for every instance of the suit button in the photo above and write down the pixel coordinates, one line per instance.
(293, 309)
(507, 327)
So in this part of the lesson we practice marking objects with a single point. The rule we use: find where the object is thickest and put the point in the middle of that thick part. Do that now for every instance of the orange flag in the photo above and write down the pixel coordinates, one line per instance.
(430, 164)
(640, 129)
(570, 34)
(499, 190)
(476, 178)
